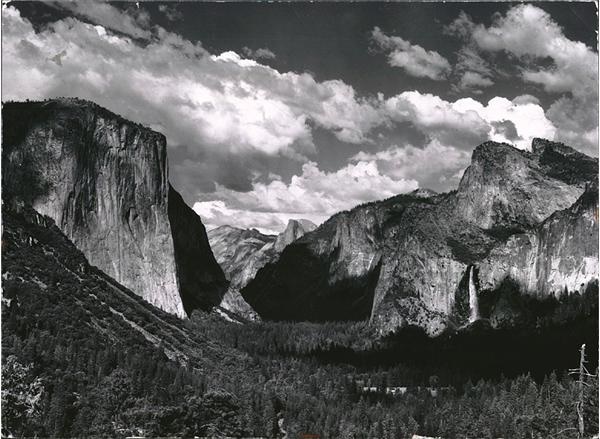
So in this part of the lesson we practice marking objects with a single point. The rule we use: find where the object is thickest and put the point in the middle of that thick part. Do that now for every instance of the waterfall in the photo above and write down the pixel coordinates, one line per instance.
(473, 300)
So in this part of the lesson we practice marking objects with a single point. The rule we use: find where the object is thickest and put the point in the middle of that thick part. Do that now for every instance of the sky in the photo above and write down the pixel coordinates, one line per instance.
(275, 111)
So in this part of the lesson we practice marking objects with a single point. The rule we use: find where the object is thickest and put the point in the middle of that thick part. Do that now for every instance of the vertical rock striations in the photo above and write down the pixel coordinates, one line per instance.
(104, 180)
(561, 254)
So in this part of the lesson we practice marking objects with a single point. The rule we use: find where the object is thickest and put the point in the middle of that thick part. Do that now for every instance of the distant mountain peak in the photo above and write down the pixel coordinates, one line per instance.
(295, 229)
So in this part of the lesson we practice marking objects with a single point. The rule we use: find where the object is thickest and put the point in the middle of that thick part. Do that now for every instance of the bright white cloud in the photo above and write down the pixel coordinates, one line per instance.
(435, 166)
(438, 118)
(217, 213)
(412, 58)
(467, 122)
(528, 119)
(529, 33)
(314, 195)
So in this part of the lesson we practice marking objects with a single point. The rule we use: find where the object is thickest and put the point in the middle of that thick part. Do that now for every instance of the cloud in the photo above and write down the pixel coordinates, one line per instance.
(171, 12)
(221, 109)
(438, 119)
(134, 22)
(526, 99)
(217, 213)
(512, 123)
(530, 35)
(261, 53)
(413, 59)
(474, 80)
(467, 122)
(452, 129)
(313, 194)
(506, 129)
(435, 166)
(474, 71)
(528, 31)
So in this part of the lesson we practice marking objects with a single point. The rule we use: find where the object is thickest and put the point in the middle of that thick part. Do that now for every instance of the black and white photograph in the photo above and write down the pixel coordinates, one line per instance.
(299, 220)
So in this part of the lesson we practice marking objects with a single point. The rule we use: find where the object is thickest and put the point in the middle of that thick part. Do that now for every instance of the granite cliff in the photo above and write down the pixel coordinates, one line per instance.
(104, 181)
(241, 253)
(417, 259)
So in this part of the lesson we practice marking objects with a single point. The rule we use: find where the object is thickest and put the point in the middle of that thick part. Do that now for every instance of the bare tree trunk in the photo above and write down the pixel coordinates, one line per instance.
(580, 401)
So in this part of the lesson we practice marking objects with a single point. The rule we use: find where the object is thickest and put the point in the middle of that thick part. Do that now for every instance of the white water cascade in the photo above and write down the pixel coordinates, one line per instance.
(473, 300)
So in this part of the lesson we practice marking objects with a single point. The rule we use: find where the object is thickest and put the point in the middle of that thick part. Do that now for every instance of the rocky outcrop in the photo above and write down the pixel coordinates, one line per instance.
(104, 181)
(508, 187)
(412, 258)
(242, 253)
(560, 255)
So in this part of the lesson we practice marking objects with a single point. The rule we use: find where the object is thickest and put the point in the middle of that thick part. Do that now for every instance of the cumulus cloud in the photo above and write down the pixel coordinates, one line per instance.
(438, 119)
(436, 166)
(467, 122)
(526, 99)
(313, 194)
(220, 108)
(412, 58)
(217, 213)
(527, 120)
(262, 53)
(529, 34)
(528, 31)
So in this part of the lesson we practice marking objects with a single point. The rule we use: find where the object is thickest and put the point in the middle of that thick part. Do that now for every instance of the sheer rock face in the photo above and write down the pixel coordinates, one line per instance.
(560, 254)
(406, 260)
(241, 253)
(104, 180)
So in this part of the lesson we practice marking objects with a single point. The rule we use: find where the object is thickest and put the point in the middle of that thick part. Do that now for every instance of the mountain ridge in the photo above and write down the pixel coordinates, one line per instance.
(403, 260)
